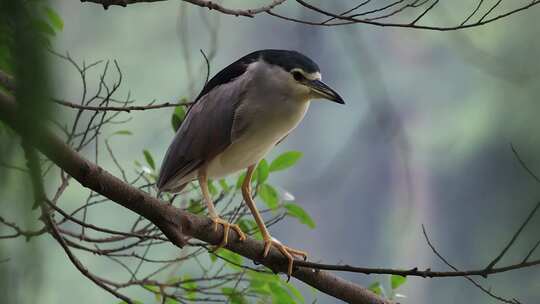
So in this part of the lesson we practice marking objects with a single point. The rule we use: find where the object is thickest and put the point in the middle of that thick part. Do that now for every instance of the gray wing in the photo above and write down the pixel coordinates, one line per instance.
(205, 133)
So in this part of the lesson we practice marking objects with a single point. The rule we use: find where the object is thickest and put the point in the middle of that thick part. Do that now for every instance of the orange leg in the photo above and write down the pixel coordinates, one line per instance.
(203, 183)
(268, 240)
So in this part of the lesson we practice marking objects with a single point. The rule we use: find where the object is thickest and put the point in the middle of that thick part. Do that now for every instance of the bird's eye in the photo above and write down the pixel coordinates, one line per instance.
(298, 76)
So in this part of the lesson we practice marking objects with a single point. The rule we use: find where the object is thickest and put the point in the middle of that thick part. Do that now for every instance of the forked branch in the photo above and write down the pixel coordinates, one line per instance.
(175, 223)
(399, 13)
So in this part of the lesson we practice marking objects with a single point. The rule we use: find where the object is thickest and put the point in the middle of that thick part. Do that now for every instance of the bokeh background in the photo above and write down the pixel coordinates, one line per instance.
(423, 139)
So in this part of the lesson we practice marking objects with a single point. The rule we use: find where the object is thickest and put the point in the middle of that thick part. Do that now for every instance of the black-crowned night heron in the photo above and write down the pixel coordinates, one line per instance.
(239, 116)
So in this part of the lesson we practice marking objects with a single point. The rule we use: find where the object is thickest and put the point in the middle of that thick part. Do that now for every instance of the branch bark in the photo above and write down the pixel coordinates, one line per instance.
(120, 108)
(383, 13)
(176, 224)
(251, 12)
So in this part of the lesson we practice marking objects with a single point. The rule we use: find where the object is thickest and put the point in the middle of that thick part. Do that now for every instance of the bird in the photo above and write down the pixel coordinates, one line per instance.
(240, 115)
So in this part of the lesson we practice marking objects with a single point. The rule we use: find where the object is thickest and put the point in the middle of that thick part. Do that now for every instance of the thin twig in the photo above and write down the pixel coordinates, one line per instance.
(121, 109)
(207, 67)
(478, 285)
(514, 237)
(523, 164)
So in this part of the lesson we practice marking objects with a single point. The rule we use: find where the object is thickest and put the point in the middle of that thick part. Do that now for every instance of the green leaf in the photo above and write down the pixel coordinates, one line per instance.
(212, 256)
(232, 258)
(259, 287)
(280, 294)
(152, 288)
(178, 117)
(173, 280)
(263, 276)
(195, 207)
(263, 170)
(285, 160)
(155, 290)
(55, 20)
(377, 288)
(269, 196)
(149, 159)
(298, 212)
(248, 225)
(397, 280)
(212, 188)
(43, 27)
(240, 180)
(224, 186)
(295, 292)
(259, 283)
(190, 287)
(122, 132)
(234, 296)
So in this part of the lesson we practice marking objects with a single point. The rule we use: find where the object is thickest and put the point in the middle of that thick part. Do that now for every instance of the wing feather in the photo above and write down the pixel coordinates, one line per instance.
(205, 133)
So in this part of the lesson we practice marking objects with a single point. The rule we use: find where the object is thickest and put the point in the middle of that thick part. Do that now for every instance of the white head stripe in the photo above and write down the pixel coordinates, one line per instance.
(313, 76)
(310, 76)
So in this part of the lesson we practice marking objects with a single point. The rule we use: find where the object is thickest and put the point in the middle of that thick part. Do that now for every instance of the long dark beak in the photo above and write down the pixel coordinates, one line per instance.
(324, 91)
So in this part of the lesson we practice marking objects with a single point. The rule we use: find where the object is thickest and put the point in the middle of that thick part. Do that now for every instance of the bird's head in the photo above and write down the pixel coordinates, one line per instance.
(301, 74)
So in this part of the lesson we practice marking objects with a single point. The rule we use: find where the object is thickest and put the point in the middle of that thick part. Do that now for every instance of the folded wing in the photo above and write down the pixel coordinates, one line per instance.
(205, 133)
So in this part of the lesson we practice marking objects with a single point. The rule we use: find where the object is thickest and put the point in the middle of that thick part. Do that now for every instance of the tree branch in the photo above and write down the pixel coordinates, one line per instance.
(379, 15)
(428, 273)
(176, 224)
(343, 19)
(120, 108)
(514, 238)
(250, 12)
(474, 282)
(40, 198)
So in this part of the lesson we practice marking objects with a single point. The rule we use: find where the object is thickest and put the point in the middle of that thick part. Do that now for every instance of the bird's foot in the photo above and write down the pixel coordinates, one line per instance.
(288, 252)
(226, 227)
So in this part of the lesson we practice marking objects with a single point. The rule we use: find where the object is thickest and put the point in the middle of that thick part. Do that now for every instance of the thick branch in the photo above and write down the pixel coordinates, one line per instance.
(175, 223)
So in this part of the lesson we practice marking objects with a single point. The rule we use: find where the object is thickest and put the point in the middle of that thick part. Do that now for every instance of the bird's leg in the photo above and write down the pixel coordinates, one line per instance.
(203, 183)
(268, 240)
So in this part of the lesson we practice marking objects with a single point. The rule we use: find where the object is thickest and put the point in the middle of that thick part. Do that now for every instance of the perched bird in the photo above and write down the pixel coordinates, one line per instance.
(240, 115)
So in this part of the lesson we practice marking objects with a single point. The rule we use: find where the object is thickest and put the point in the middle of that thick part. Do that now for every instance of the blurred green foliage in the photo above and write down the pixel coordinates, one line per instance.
(20, 19)
(26, 28)
(178, 116)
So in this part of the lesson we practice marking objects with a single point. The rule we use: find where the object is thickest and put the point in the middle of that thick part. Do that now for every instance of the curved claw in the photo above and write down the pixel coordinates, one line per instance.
(226, 227)
(288, 252)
